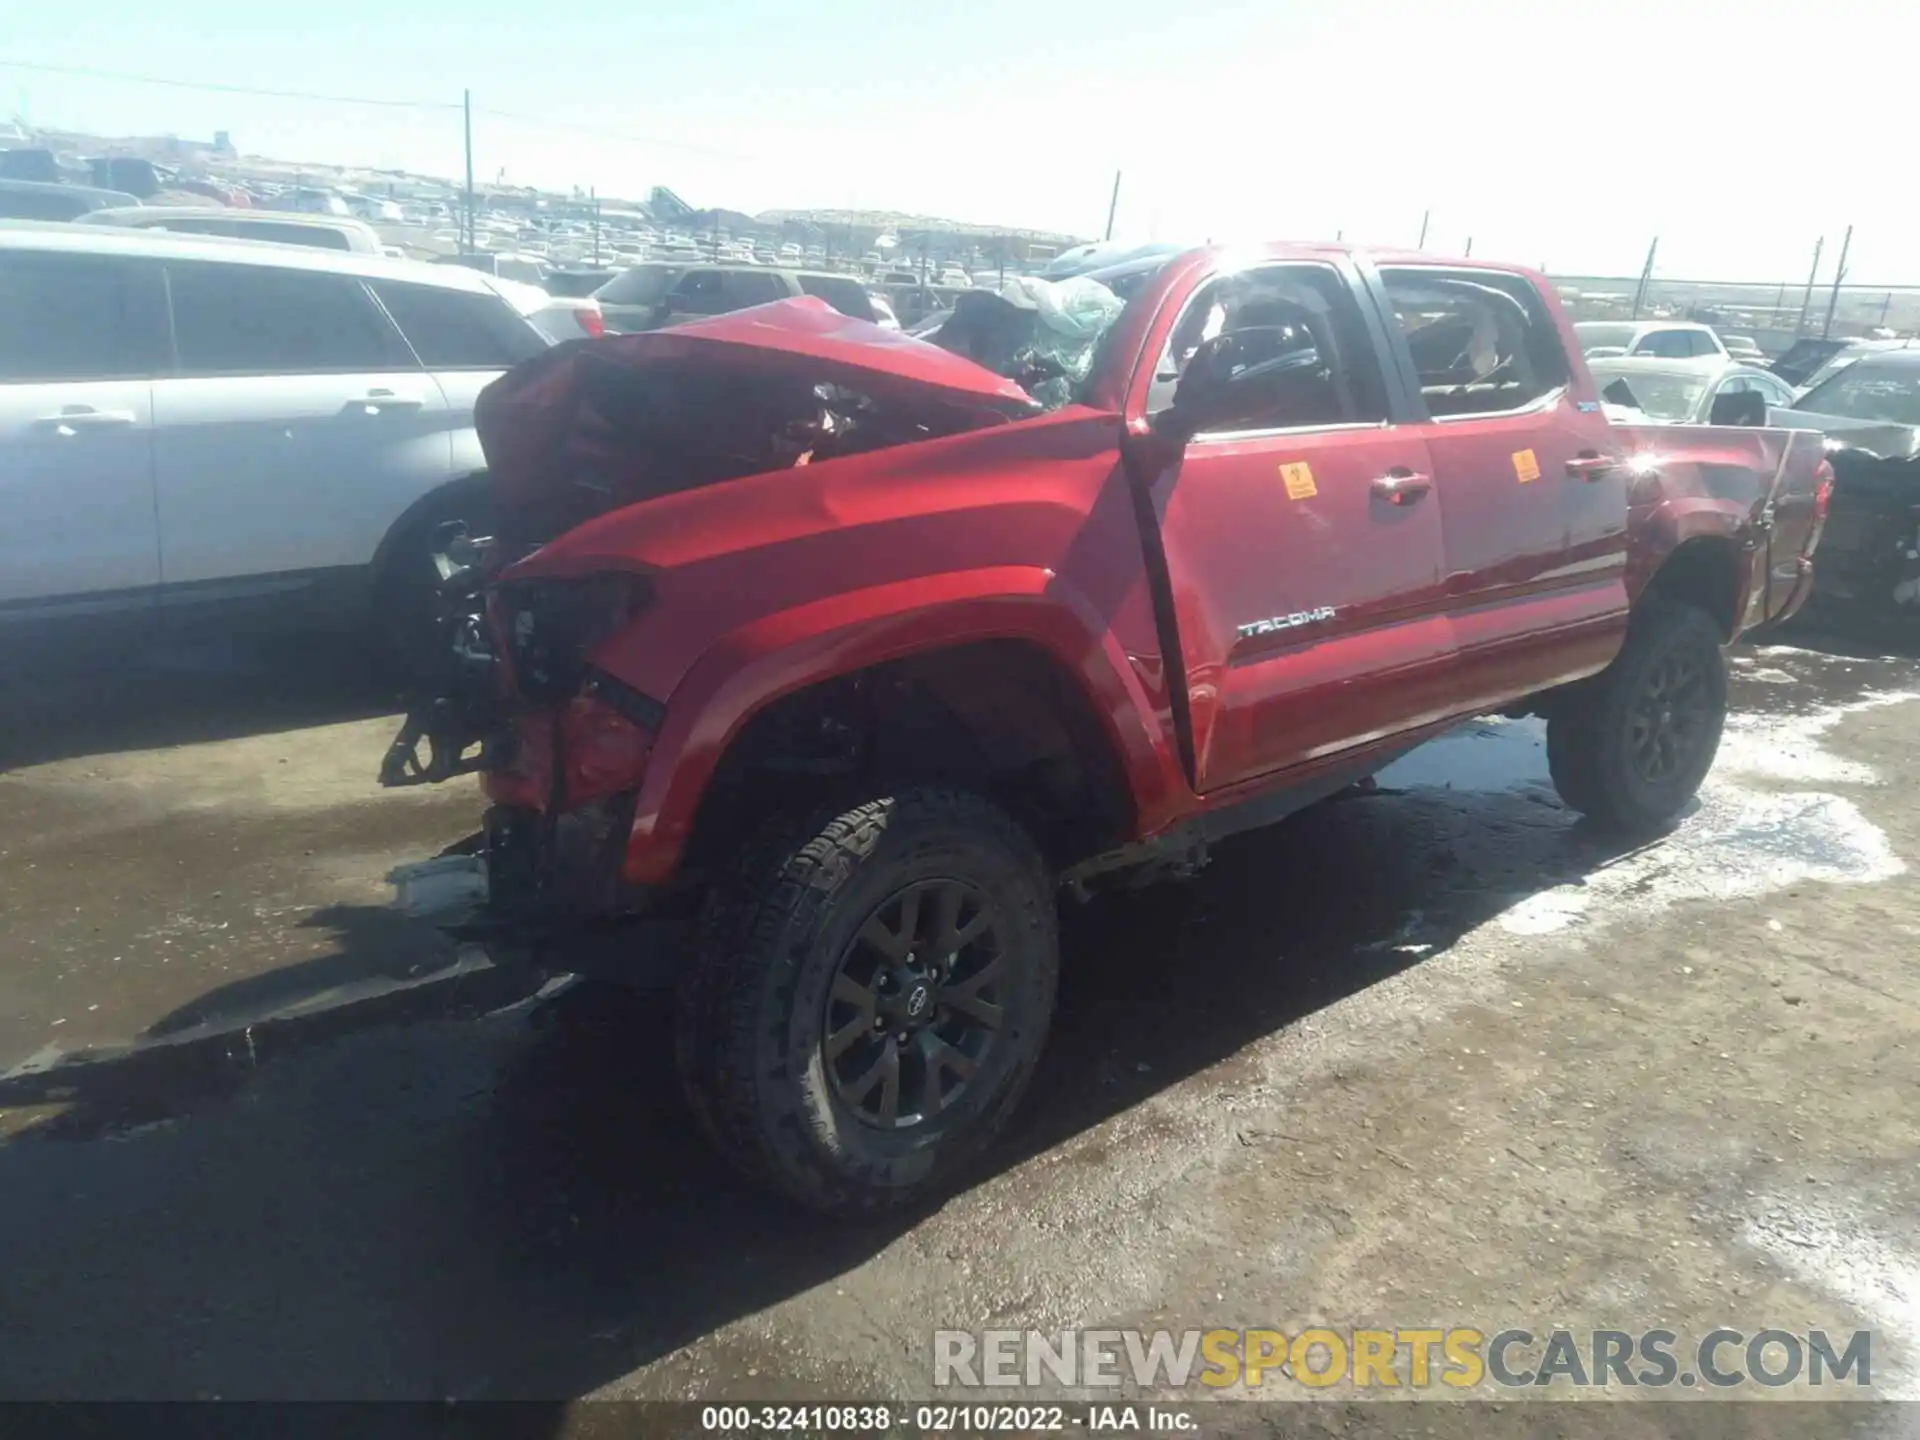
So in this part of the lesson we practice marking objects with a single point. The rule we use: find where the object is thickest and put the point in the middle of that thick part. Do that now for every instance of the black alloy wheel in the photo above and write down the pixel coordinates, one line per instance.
(914, 1007)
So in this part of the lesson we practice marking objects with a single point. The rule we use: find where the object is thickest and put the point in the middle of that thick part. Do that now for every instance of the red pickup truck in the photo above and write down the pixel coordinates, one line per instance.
(806, 663)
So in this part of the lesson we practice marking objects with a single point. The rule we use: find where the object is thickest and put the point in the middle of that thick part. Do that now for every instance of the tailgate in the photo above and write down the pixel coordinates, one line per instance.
(1796, 509)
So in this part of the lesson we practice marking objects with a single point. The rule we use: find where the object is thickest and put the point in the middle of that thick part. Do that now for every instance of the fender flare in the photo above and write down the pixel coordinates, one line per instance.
(744, 671)
(1677, 523)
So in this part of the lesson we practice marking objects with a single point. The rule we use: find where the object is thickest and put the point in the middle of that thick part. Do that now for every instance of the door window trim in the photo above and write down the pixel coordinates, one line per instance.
(1409, 378)
(1353, 286)
(404, 358)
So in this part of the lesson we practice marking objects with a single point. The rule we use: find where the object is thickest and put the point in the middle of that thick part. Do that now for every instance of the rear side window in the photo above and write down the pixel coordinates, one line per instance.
(255, 320)
(458, 330)
(1481, 341)
(849, 297)
(79, 317)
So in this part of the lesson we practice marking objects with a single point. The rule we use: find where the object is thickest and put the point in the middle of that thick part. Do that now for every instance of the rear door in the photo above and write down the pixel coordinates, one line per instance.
(81, 337)
(1531, 483)
(1302, 543)
(295, 429)
(467, 340)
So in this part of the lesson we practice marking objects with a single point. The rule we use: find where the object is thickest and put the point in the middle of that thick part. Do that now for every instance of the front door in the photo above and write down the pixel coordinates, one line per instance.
(1301, 536)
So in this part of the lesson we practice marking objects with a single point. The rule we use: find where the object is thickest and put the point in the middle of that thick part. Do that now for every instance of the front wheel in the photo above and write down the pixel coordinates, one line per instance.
(870, 998)
(1632, 748)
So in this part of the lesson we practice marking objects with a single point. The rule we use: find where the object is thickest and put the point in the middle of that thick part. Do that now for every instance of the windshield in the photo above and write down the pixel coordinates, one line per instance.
(1597, 332)
(1664, 395)
(1868, 390)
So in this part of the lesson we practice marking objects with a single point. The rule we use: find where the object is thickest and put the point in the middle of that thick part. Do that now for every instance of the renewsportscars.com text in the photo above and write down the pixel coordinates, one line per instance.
(1414, 1358)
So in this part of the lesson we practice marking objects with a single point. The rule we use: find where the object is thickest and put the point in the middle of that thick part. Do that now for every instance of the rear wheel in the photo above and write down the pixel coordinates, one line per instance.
(1632, 746)
(870, 998)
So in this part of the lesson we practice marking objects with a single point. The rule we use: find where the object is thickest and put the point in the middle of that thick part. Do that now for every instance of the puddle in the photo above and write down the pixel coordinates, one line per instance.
(1740, 840)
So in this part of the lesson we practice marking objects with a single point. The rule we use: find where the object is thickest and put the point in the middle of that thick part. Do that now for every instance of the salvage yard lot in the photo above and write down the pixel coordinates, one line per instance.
(1429, 1055)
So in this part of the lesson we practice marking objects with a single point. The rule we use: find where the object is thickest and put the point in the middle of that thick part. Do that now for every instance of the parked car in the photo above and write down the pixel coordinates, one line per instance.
(844, 645)
(507, 265)
(37, 200)
(1869, 410)
(1840, 359)
(558, 317)
(1669, 339)
(283, 227)
(657, 294)
(195, 425)
(577, 280)
(1712, 390)
(1744, 348)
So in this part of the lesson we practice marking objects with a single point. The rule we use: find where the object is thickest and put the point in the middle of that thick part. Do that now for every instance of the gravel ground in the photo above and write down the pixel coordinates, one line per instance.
(1433, 1055)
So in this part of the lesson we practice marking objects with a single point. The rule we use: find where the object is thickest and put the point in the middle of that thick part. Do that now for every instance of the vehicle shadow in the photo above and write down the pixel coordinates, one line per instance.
(104, 698)
(510, 1199)
(1854, 636)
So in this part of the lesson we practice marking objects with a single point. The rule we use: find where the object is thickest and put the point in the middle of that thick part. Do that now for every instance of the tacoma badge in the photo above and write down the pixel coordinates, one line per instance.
(1286, 622)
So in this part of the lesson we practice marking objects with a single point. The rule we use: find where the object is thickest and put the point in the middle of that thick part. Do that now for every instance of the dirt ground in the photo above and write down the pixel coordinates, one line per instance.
(1434, 1055)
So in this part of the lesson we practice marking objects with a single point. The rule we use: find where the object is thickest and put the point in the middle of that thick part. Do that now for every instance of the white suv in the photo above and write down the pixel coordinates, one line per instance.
(193, 425)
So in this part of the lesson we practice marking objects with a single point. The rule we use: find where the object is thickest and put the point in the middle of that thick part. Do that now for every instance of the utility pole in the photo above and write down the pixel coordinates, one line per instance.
(1646, 276)
(1113, 205)
(1469, 254)
(1839, 274)
(1806, 300)
(1424, 219)
(1885, 306)
(466, 105)
(1779, 302)
(593, 194)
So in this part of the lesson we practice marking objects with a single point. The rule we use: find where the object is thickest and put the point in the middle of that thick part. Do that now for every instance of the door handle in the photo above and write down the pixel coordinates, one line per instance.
(1400, 486)
(1589, 466)
(72, 419)
(375, 401)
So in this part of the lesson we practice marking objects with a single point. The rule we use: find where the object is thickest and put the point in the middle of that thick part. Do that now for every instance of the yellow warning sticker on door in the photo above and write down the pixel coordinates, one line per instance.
(1298, 478)
(1525, 466)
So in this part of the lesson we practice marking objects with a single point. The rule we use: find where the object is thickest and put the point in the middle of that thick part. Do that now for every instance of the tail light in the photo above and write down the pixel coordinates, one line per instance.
(592, 321)
(1822, 503)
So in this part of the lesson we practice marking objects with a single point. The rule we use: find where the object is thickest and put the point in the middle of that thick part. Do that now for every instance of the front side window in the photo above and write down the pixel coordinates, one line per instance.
(1481, 341)
(79, 317)
(1271, 348)
(256, 320)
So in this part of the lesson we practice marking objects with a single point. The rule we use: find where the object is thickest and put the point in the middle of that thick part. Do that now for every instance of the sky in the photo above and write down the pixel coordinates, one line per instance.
(1737, 131)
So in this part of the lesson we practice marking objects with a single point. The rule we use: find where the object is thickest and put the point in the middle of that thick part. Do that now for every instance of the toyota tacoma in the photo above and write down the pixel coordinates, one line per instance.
(806, 664)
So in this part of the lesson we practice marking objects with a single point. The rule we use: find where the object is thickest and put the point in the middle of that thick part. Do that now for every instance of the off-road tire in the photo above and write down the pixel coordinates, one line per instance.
(752, 1010)
(1589, 735)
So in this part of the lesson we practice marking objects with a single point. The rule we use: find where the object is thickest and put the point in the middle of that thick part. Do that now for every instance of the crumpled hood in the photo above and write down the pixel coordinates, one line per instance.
(527, 419)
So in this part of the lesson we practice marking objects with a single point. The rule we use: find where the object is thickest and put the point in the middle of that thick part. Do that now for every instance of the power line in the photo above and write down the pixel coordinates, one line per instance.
(227, 89)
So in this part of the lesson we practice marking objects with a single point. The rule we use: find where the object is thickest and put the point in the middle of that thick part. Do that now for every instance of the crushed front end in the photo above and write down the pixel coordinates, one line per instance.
(560, 747)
